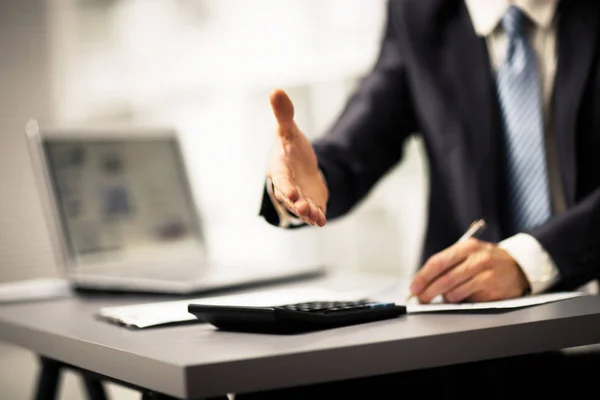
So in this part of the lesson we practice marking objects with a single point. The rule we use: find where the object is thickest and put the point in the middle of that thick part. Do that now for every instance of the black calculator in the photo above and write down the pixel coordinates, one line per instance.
(295, 318)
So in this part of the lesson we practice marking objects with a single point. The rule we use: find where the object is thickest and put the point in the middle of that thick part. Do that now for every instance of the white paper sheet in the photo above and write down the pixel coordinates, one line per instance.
(526, 301)
(155, 314)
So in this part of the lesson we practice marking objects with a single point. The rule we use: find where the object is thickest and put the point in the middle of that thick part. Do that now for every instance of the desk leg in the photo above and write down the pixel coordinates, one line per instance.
(50, 374)
(48, 380)
(94, 387)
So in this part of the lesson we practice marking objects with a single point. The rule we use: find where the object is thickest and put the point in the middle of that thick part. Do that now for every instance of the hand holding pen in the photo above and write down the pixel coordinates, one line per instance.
(470, 270)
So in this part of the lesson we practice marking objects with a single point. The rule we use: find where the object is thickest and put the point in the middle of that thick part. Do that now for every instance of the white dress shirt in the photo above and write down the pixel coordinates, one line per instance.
(485, 16)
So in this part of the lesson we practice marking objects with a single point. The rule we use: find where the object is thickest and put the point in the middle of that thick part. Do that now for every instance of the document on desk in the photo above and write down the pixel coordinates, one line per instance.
(520, 302)
(170, 312)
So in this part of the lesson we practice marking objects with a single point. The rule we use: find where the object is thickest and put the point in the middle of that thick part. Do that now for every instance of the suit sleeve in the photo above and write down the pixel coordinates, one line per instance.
(573, 241)
(368, 137)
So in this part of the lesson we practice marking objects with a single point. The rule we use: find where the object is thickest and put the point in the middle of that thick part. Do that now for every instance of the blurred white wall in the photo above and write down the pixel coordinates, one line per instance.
(207, 67)
(25, 91)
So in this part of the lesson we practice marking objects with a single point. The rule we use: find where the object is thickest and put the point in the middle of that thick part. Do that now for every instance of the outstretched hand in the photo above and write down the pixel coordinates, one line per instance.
(294, 170)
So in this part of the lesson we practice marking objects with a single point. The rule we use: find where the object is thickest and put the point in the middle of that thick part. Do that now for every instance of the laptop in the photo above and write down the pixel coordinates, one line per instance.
(122, 216)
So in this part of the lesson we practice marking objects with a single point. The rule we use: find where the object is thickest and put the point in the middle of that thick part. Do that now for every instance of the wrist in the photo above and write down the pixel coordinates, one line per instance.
(534, 262)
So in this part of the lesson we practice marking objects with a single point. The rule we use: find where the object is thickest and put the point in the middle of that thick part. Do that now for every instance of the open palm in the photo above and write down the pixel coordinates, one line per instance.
(294, 169)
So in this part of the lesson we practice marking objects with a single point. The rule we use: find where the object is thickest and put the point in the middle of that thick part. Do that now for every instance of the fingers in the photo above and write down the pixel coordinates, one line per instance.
(283, 109)
(455, 277)
(316, 214)
(480, 288)
(307, 209)
(464, 291)
(488, 274)
(301, 206)
(282, 198)
(321, 219)
(284, 187)
(313, 212)
(442, 262)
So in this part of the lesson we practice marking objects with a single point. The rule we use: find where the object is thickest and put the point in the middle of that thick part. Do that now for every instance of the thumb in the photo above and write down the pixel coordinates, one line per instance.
(283, 109)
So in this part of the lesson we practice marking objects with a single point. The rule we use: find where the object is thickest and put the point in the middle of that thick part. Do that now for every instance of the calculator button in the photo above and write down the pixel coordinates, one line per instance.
(381, 305)
(327, 307)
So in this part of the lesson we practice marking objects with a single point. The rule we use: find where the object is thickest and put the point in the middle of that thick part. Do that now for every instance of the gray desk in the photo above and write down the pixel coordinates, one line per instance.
(195, 361)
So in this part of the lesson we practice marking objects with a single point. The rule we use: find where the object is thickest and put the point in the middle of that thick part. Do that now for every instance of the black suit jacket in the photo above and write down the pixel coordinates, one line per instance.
(433, 76)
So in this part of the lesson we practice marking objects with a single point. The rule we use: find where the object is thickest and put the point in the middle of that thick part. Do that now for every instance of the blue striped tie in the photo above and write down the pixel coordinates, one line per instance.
(521, 109)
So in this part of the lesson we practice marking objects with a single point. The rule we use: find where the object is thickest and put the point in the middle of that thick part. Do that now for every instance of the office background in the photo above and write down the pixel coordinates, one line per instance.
(205, 67)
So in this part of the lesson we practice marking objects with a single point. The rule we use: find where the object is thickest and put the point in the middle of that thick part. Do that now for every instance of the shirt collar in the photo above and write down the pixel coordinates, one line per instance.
(486, 14)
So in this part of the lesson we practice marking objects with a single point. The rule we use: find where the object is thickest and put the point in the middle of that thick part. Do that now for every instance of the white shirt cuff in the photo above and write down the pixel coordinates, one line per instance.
(534, 260)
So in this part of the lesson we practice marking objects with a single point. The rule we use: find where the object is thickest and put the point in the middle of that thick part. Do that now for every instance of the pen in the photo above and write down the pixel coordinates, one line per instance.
(474, 230)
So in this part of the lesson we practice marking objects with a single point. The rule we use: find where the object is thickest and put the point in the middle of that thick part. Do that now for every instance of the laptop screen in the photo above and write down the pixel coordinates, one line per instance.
(122, 199)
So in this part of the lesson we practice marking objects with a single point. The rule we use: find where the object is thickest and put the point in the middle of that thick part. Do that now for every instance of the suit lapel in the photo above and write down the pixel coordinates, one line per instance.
(473, 90)
(577, 32)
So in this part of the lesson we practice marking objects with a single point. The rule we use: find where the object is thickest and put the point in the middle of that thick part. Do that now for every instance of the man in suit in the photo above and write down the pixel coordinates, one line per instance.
(506, 95)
